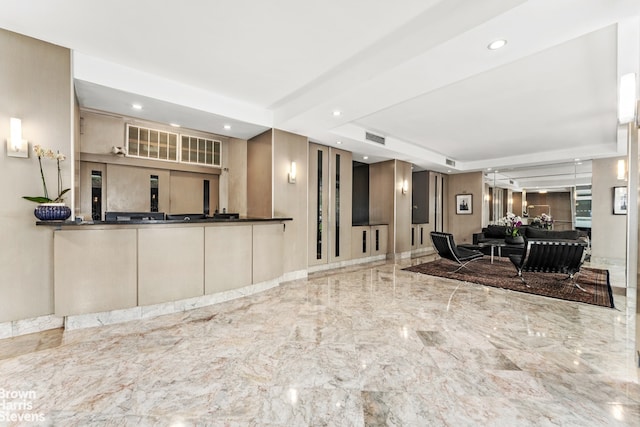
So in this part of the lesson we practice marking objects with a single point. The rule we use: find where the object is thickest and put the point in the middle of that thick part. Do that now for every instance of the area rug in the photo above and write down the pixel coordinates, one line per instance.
(502, 274)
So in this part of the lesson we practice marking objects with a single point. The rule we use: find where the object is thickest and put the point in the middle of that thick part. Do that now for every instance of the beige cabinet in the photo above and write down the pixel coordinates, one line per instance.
(95, 270)
(115, 267)
(360, 241)
(379, 237)
(170, 264)
(227, 250)
(330, 204)
(369, 241)
(268, 241)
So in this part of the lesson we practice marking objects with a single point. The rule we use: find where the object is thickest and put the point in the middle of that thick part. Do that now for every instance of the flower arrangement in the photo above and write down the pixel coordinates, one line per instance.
(513, 224)
(543, 221)
(48, 154)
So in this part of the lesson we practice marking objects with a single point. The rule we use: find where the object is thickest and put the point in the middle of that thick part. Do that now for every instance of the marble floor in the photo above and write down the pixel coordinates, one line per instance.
(372, 345)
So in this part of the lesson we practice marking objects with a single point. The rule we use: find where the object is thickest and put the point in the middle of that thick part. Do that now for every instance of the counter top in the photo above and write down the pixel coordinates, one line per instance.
(160, 222)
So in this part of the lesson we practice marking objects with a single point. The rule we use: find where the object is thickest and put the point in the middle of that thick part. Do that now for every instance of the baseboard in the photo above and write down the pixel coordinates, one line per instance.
(16, 328)
(347, 263)
(39, 324)
(90, 320)
(417, 253)
(608, 261)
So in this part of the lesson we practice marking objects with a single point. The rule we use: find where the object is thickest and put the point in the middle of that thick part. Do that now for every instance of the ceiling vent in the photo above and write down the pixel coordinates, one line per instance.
(374, 138)
(450, 162)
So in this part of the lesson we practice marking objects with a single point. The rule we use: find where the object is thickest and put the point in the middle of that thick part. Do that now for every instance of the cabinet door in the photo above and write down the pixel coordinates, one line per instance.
(318, 204)
(340, 204)
(414, 234)
(379, 236)
(360, 242)
(330, 204)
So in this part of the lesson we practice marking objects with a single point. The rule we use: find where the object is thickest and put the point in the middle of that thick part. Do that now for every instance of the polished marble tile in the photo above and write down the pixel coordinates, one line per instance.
(362, 345)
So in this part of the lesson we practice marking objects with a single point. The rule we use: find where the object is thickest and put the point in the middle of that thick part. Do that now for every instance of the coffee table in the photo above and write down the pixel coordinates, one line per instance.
(498, 245)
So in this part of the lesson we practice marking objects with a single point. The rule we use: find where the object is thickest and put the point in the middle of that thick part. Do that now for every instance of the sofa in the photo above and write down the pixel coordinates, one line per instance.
(497, 233)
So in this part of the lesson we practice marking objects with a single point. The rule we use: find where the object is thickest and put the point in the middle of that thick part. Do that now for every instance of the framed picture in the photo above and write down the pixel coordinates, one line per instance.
(464, 204)
(619, 200)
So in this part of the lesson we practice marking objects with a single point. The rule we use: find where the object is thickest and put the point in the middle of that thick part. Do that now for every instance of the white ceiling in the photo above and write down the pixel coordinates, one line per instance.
(417, 72)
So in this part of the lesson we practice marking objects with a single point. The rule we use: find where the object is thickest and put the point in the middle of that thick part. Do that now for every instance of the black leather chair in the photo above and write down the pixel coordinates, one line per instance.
(447, 248)
(550, 257)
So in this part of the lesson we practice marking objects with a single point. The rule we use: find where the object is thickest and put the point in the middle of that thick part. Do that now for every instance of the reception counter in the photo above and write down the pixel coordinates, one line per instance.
(161, 266)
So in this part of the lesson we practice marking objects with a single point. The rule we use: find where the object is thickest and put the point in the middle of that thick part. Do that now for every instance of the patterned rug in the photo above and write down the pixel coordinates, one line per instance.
(502, 274)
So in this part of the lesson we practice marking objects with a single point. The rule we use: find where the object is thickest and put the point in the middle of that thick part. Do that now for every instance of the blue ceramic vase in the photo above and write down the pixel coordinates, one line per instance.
(52, 212)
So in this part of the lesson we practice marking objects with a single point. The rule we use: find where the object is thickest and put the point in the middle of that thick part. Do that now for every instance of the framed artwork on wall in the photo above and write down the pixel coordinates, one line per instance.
(464, 204)
(619, 200)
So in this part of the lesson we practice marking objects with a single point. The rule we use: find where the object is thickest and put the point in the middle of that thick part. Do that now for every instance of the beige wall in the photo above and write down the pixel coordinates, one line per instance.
(608, 231)
(403, 207)
(127, 189)
(290, 200)
(126, 179)
(633, 255)
(100, 132)
(382, 186)
(463, 226)
(260, 175)
(236, 176)
(35, 83)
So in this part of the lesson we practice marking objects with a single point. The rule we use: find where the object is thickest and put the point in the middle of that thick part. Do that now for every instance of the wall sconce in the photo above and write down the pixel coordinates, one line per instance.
(405, 186)
(627, 98)
(292, 173)
(16, 146)
(622, 170)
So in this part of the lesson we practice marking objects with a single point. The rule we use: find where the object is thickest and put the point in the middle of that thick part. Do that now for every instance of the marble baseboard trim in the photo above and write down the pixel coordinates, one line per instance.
(6, 330)
(91, 320)
(347, 263)
(401, 255)
(29, 326)
(608, 261)
(420, 252)
(294, 275)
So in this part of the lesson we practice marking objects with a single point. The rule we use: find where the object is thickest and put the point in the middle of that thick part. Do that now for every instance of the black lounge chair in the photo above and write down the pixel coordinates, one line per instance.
(447, 248)
(550, 257)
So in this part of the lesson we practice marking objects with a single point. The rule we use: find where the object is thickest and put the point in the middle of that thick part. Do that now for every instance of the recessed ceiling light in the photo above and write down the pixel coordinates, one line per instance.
(366, 157)
(576, 160)
(497, 44)
(338, 142)
(175, 125)
(136, 106)
(227, 127)
(337, 113)
(489, 169)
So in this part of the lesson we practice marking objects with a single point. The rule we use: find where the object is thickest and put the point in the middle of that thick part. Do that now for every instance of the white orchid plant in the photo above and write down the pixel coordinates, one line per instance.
(48, 154)
(513, 223)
